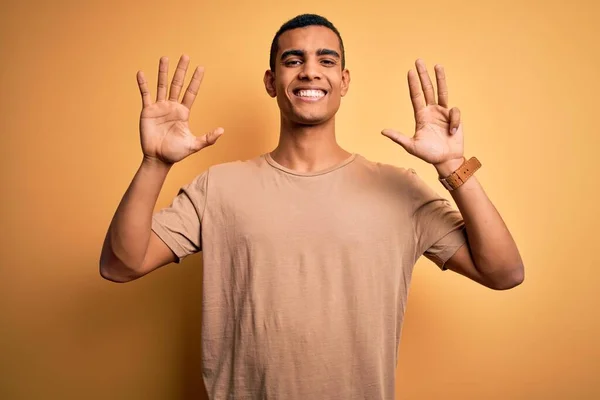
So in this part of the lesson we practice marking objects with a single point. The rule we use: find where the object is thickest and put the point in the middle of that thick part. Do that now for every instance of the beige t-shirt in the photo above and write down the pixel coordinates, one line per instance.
(306, 275)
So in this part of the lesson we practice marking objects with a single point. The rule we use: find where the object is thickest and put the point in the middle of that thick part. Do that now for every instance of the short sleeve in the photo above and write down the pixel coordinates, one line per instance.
(179, 224)
(439, 227)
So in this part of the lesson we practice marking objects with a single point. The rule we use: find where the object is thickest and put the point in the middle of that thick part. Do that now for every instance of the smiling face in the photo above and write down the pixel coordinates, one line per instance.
(308, 80)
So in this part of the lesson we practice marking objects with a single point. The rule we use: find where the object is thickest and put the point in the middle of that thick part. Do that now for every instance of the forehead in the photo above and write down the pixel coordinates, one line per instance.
(310, 39)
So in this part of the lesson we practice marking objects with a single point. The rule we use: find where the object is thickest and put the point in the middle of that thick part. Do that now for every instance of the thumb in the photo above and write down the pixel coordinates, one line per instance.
(402, 140)
(207, 140)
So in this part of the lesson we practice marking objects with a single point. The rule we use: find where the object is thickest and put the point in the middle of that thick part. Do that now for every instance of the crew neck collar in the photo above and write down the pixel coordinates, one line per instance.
(275, 164)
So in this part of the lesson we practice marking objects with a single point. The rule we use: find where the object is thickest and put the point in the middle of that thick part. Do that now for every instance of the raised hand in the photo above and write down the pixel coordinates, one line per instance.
(438, 134)
(164, 130)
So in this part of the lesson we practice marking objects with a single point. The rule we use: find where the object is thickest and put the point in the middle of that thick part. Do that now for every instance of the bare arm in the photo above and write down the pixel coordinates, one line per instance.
(491, 256)
(130, 248)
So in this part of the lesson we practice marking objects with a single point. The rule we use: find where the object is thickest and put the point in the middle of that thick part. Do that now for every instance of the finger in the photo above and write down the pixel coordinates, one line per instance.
(163, 72)
(442, 86)
(193, 87)
(425, 82)
(404, 141)
(454, 119)
(207, 140)
(144, 91)
(416, 95)
(179, 77)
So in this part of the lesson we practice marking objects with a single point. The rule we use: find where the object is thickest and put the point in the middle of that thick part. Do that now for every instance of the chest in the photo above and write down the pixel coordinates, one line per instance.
(301, 218)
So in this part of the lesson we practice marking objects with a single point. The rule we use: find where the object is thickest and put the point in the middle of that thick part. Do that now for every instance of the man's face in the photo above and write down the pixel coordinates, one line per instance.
(308, 80)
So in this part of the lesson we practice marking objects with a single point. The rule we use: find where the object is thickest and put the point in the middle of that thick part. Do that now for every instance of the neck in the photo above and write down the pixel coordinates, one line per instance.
(308, 148)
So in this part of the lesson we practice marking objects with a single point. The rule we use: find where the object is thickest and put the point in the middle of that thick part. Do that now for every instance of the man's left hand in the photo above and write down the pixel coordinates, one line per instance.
(438, 137)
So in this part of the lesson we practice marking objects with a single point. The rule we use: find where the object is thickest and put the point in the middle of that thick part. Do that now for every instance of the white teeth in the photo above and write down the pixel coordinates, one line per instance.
(310, 93)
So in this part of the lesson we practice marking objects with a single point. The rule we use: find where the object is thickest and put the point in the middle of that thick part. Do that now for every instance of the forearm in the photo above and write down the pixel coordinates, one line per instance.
(129, 232)
(493, 249)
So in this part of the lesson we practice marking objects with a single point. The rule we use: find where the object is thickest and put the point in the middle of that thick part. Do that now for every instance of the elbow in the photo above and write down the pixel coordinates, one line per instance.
(110, 275)
(511, 279)
(118, 275)
(113, 275)
(112, 269)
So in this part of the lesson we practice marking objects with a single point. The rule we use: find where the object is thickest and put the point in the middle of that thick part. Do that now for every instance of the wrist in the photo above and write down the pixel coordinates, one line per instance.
(447, 167)
(155, 164)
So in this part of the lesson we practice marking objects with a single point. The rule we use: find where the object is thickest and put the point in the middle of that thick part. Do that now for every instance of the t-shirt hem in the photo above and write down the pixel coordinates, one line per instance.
(440, 259)
(167, 237)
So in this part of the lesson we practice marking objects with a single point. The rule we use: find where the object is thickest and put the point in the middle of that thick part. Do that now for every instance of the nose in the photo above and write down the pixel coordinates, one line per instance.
(310, 70)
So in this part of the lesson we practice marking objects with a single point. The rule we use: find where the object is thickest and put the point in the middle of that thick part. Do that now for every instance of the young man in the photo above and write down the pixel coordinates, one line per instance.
(308, 250)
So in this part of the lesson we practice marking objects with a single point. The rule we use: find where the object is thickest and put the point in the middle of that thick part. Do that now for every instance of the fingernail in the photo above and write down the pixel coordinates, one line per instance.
(453, 131)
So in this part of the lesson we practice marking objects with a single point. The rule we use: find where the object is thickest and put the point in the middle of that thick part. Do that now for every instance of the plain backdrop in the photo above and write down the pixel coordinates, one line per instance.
(523, 73)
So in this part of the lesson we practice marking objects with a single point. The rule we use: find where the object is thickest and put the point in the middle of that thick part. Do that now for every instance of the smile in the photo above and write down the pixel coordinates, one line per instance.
(310, 95)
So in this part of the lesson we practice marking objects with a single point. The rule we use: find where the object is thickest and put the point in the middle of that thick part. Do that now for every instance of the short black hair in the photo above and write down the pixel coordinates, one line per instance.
(302, 21)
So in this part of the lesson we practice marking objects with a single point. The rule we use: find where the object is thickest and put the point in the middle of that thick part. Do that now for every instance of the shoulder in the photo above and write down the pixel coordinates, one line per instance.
(403, 182)
(233, 169)
(388, 173)
(222, 171)
(230, 178)
(226, 171)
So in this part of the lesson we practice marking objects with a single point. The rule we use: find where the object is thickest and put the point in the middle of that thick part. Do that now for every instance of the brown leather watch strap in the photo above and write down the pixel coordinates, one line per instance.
(460, 176)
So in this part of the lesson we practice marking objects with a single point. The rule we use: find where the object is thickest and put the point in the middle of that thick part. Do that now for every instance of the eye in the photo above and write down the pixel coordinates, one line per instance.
(291, 63)
(329, 62)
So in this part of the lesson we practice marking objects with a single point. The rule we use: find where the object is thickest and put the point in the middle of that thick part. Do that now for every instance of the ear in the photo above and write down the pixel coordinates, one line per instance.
(345, 82)
(269, 81)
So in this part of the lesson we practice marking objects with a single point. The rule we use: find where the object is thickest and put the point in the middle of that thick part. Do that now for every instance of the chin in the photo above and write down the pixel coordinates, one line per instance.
(310, 119)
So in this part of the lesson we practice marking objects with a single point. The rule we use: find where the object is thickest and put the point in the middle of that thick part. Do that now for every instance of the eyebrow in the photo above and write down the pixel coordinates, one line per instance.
(301, 53)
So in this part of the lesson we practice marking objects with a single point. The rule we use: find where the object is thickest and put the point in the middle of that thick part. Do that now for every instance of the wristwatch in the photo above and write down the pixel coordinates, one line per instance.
(460, 176)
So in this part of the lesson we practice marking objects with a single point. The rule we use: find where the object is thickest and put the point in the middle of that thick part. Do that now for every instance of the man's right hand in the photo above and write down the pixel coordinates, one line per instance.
(164, 128)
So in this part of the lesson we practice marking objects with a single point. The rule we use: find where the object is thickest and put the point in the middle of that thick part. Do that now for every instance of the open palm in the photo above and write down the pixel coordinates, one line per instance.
(164, 125)
(438, 131)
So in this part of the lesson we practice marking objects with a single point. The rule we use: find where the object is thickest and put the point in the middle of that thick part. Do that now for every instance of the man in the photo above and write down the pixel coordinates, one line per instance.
(308, 250)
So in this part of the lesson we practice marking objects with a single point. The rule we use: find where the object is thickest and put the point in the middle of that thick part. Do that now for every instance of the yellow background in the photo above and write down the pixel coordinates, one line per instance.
(523, 73)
